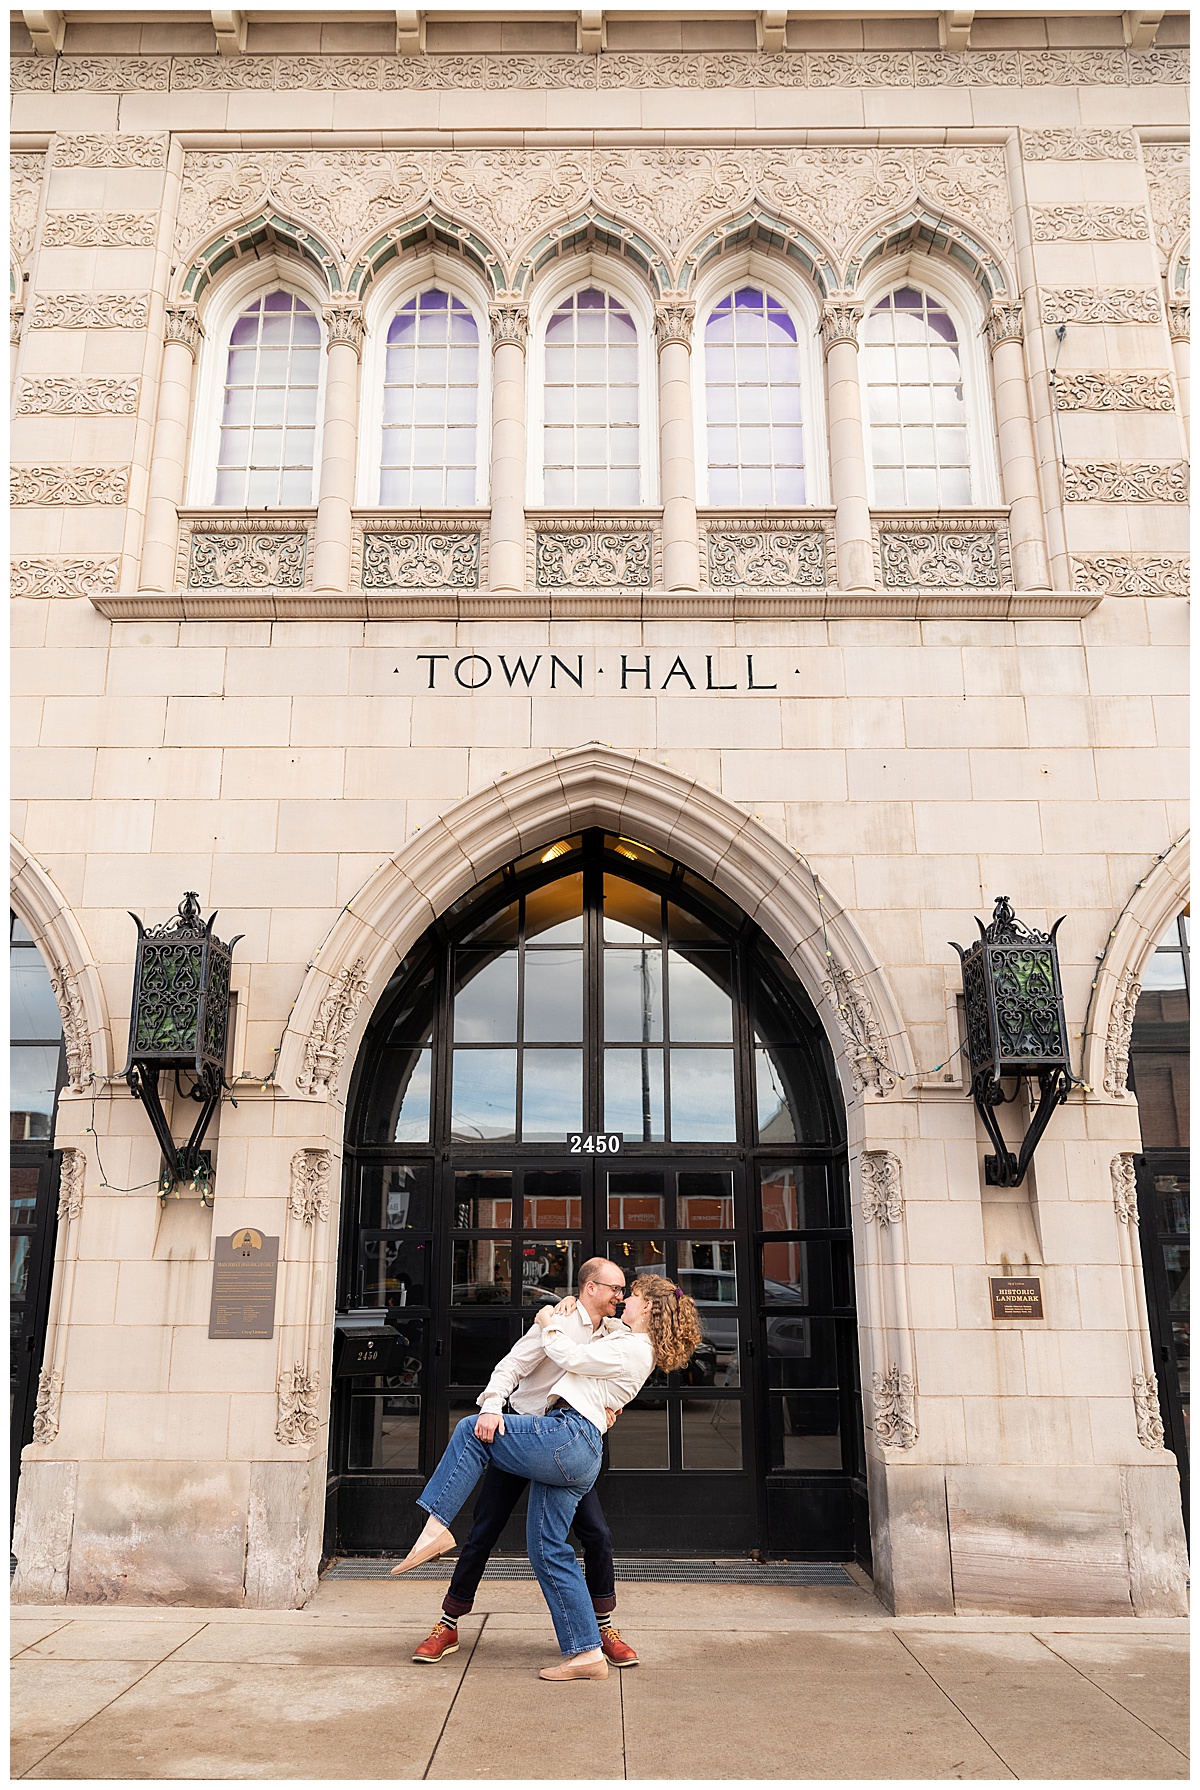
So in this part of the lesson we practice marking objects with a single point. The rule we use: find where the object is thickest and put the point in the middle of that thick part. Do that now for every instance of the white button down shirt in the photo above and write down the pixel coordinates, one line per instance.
(594, 1370)
(527, 1375)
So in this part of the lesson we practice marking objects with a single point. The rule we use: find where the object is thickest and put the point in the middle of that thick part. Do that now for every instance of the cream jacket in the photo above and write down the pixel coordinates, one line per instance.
(598, 1375)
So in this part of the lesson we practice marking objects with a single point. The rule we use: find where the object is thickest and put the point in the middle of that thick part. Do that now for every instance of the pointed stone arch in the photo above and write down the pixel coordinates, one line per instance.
(267, 229)
(935, 232)
(40, 905)
(595, 786)
(1156, 899)
(426, 229)
(769, 234)
(593, 229)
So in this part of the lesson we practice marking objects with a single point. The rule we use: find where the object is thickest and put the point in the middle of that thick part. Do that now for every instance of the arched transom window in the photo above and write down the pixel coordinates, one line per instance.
(753, 401)
(591, 440)
(269, 413)
(916, 406)
(430, 403)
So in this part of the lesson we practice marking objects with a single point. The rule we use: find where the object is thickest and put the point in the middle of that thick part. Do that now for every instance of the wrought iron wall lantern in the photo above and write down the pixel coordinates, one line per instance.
(1015, 1027)
(179, 1023)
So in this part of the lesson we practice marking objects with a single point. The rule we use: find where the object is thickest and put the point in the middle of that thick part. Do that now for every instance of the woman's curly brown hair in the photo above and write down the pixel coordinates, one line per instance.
(674, 1327)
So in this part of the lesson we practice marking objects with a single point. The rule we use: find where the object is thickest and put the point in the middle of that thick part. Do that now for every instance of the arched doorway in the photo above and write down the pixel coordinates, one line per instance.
(590, 990)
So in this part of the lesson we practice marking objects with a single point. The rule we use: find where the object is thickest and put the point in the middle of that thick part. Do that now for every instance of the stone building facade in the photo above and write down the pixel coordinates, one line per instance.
(847, 594)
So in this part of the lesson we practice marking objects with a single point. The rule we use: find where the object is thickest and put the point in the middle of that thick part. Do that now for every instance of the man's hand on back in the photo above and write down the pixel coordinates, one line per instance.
(488, 1425)
(611, 1415)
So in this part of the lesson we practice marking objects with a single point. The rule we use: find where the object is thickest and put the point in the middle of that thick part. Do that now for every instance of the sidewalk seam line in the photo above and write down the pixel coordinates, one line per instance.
(80, 1726)
(14, 1657)
(941, 1689)
(1088, 1679)
(454, 1699)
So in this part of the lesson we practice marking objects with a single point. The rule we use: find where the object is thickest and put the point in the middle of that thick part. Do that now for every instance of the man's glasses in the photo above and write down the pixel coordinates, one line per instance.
(609, 1287)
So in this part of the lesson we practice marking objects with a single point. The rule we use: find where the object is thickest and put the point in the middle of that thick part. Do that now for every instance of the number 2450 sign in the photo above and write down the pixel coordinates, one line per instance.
(595, 1143)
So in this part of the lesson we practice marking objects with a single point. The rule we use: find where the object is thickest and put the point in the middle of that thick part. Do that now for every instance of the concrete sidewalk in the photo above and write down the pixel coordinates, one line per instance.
(737, 1682)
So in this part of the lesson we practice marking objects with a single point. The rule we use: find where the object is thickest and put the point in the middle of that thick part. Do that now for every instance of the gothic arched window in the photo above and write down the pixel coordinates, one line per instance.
(753, 401)
(430, 439)
(591, 433)
(916, 404)
(268, 427)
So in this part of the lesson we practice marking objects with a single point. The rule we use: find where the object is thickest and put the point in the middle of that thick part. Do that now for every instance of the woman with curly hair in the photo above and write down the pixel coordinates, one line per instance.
(560, 1453)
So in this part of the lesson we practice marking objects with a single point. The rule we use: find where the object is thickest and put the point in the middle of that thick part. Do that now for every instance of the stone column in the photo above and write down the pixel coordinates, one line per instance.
(1018, 458)
(1179, 320)
(847, 450)
(16, 316)
(677, 446)
(339, 447)
(506, 538)
(168, 462)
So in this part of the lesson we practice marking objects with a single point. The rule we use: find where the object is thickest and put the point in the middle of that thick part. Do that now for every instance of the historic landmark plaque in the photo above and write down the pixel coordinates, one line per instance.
(245, 1270)
(1017, 1298)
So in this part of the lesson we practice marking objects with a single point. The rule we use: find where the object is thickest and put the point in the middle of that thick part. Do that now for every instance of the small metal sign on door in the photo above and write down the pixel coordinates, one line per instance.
(245, 1270)
(1017, 1298)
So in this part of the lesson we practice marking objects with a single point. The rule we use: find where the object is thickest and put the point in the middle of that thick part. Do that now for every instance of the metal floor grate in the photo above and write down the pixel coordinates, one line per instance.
(668, 1572)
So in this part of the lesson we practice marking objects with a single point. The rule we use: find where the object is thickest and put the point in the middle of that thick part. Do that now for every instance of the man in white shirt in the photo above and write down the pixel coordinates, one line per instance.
(524, 1379)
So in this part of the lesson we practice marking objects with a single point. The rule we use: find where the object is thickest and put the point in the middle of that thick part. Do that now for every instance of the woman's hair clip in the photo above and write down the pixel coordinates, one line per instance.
(678, 1292)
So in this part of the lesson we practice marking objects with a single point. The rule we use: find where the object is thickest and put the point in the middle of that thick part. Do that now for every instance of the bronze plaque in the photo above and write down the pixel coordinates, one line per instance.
(245, 1269)
(1017, 1298)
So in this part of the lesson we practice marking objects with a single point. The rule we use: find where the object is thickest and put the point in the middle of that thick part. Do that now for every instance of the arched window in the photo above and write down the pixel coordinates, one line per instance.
(268, 424)
(753, 401)
(591, 437)
(916, 408)
(430, 441)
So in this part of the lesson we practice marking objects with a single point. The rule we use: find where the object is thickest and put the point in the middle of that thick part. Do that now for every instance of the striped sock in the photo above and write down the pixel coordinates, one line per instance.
(449, 1621)
(605, 1621)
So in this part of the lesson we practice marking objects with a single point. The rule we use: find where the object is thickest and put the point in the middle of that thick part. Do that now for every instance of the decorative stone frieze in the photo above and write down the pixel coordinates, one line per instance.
(1078, 146)
(25, 174)
(112, 74)
(182, 324)
(233, 556)
(16, 317)
(68, 484)
(325, 1046)
(1179, 321)
(77, 1038)
(90, 310)
(1120, 1031)
(309, 1193)
(344, 324)
(882, 1192)
(861, 1032)
(673, 323)
(1124, 1186)
(1148, 1416)
(31, 74)
(1119, 482)
(55, 577)
(1168, 178)
(100, 229)
(839, 323)
(606, 556)
(47, 1412)
(1100, 390)
(1131, 574)
(125, 150)
(428, 556)
(71, 1179)
(764, 552)
(894, 1396)
(1005, 323)
(297, 1414)
(1090, 304)
(509, 323)
(1088, 223)
(942, 553)
(79, 397)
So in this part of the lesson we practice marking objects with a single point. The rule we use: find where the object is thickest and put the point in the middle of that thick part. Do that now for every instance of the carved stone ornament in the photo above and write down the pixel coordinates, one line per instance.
(100, 230)
(25, 175)
(90, 310)
(862, 1035)
(31, 74)
(942, 554)
(673, 323)
(112, 74)
(1114, 391)
(122, 151)
(68, 484)
(767, 555)
(1179, 320)
(1124, 1186)
(48, 1410)
(1168, 177)
(1089, 223)
(603, 558)
(1131, 574)
(1120, 1031)
(510, 323)
(421, 559)
(1146, 1411)
(62, 577)
(325, 1046)
(1078, 146)
(882, 1194)
(250, 560)
(297, 1418)
(1133, 482)
(79, 397)
(16, 316)
(182, 324)
(1090, 304)
(895, 1402)
(839, 323)
(344, 324)
(308, 1197)
(76, 1036)
(1004, 324)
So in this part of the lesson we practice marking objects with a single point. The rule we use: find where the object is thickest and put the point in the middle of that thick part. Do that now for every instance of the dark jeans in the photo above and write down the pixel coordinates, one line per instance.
(496, 1500)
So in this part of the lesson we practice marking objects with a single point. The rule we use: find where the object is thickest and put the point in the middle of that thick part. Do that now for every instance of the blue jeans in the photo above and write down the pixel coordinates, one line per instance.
(560, 1454)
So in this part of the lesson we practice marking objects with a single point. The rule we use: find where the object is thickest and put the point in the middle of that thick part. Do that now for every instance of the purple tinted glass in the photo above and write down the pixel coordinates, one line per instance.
(271, 367)
(426, 381)
(756, 454)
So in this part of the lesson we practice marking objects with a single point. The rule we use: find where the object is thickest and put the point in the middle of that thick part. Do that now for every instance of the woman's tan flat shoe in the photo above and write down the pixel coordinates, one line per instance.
(433, 1550)
(576, 1668)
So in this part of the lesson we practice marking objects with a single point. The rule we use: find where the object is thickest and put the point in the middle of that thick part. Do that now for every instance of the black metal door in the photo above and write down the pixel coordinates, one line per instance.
(33, 1197)
(1163, 1184)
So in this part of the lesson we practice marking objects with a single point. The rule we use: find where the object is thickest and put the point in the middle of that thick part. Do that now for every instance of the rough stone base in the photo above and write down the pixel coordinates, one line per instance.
(42, 1527)
(283, 1552)
(910, 1546)
(1038, 1541)
(1154, 1536)
(160, 1532)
